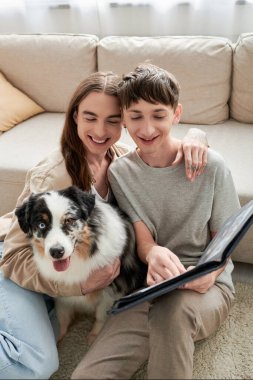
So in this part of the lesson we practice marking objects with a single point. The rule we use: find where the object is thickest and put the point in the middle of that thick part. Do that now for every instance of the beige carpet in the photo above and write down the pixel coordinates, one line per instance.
(226, 355)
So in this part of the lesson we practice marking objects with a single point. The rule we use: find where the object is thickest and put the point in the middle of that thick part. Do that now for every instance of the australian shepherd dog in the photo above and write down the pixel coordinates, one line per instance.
(72, 233)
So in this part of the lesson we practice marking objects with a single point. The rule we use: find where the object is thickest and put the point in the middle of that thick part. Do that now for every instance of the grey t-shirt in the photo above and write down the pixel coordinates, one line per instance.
(180, 214)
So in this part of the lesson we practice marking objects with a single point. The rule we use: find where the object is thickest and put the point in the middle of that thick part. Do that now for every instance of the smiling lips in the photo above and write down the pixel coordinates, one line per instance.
(98, 141)
(147, 141)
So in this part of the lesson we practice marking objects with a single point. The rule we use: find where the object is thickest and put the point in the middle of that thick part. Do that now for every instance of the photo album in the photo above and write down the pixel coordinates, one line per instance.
(214, 257)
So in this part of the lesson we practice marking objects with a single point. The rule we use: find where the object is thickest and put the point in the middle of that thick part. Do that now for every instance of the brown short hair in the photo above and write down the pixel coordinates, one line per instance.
(150, 83)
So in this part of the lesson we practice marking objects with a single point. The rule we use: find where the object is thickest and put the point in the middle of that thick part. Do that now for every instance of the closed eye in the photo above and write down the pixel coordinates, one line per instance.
(114, 122)
(90, 119)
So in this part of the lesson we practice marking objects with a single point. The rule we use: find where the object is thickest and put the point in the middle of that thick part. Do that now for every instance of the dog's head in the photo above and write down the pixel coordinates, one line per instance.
(54, 221)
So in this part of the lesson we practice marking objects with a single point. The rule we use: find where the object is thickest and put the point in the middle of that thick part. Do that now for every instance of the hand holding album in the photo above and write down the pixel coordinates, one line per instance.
(213, 258)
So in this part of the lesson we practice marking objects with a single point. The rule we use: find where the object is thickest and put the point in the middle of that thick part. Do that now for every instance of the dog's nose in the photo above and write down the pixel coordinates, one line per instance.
(57, 251)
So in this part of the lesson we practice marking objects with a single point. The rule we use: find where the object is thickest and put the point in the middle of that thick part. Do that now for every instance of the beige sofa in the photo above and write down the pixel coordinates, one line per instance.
(216, 78)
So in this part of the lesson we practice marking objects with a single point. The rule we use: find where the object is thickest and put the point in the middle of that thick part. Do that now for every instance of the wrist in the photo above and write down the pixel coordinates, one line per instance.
(148, 255)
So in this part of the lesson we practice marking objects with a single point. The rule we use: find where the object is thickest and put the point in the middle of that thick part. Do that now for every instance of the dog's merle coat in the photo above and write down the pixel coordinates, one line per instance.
(73, 233)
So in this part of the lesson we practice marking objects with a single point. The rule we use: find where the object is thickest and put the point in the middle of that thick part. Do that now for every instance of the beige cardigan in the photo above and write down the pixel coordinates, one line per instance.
(17, 263)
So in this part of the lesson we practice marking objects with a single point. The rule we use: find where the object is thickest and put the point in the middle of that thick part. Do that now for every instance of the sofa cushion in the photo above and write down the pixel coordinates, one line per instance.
(241, 105)
(201, 64)
(48, 67)
(15, 106)
(23, 147)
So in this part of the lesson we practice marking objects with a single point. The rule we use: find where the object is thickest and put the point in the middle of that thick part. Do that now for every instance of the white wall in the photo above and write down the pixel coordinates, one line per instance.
(146, 18)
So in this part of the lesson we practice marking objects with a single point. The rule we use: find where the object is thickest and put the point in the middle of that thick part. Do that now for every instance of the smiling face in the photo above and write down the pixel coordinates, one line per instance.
(98, 122)
(149, 124)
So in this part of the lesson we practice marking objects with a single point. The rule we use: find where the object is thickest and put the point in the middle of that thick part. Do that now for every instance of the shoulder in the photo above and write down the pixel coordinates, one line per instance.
(215, 161)
(215, 156)
(122, 162)
(50, 173)
(218, 170)
(120, 149)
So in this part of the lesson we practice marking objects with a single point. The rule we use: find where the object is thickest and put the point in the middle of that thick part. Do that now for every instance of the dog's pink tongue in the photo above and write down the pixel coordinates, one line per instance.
(61, 265)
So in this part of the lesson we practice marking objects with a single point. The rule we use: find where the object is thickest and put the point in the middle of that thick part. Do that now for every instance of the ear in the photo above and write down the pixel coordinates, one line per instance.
(75, 116)
(123, 120)
(83, 199)
(177, 114)
(23, 214)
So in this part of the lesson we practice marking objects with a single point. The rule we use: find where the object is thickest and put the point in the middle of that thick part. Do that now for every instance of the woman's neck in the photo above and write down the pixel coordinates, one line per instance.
(95, 159)
(98, 165)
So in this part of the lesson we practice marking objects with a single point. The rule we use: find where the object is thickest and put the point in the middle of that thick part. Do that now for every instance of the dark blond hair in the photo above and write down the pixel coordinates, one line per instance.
(73, 149)
(150, 83)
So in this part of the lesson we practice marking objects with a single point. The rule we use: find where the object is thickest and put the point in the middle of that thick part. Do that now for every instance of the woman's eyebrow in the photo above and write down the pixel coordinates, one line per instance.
(94, 114)
(89, 113)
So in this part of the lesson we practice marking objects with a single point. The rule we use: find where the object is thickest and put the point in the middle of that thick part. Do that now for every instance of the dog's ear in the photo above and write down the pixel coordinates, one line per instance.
(83, 199)
(88, 200)
(23, 213)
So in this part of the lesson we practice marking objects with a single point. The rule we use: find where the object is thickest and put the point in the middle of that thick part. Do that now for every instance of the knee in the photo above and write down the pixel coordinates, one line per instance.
(35, 370)
(46, 364)
(175, 308)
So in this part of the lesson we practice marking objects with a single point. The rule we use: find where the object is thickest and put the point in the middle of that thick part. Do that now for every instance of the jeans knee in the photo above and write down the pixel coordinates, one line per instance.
(44, 368)
(40, 368)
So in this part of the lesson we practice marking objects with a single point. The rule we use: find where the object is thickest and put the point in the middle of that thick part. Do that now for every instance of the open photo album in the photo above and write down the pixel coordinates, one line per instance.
(213, 258)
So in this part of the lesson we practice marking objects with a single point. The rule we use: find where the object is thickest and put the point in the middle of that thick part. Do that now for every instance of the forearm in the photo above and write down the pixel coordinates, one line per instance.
(143, 250)
(23, 271)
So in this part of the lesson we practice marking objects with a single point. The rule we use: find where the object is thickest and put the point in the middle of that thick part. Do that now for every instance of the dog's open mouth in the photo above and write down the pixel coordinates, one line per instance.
(61, 265)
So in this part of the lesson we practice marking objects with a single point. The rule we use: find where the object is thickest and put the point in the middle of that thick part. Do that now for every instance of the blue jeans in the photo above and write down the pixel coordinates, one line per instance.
(27, 333)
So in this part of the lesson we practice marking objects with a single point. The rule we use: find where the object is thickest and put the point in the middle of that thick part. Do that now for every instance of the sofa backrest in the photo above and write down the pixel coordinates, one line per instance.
(214, 74)
(241, 105)
(48, 67)
(202, 65)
